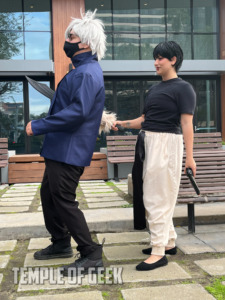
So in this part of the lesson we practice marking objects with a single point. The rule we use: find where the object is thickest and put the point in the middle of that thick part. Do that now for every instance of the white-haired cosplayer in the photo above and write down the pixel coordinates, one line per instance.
(90, 31)
(71, 129)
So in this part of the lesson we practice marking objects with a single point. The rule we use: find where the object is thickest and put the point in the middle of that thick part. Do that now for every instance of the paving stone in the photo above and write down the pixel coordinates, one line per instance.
(171, 292)
(57, 282)
(8, 245)
(91, 295)
(14, 209)
(39, 208)
(124, 252)
(31, 262)
(96, 195)
(18, 203)
(170, 272)
(11, 195)
(107, 204)
(209, 228)
(92, 181)
(96, 187)
(94, 190)
(27, 184)
(22, 190)
(3, 186)
(122, 237)
(40, 243)
(212, 266)
(17, 199)
(189, 244)
(4, 259)
(1, 277)
(215, 240)
(104, 199)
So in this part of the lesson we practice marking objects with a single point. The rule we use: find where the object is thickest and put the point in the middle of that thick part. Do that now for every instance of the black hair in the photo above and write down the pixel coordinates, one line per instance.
(168, 50)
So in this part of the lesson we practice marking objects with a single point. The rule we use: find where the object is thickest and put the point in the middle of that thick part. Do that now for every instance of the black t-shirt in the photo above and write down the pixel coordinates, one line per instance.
(164, 104)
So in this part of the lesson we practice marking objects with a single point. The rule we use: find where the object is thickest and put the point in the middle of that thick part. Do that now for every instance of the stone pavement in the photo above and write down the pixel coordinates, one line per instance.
(108, 209)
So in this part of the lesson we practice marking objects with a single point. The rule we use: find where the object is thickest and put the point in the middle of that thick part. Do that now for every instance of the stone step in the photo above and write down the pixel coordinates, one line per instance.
(24, 225)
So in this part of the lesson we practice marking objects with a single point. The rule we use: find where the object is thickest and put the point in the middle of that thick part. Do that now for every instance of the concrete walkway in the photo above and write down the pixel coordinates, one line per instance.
(107, 208)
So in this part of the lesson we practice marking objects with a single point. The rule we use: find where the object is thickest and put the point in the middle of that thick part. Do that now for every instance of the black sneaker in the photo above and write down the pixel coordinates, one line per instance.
(171, 251)
(54, 251)
(81, 266)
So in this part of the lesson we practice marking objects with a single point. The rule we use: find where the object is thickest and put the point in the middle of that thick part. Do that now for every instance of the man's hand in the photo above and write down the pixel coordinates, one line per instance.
(29, 129)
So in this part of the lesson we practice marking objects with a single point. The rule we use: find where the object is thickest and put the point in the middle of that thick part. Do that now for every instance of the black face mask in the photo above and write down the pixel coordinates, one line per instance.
(71, 48)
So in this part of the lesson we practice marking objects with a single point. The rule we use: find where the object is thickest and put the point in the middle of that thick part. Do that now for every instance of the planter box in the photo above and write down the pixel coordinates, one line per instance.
(28, 168)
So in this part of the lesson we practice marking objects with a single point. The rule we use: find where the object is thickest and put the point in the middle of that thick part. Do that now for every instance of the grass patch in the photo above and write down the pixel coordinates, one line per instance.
(217, 289)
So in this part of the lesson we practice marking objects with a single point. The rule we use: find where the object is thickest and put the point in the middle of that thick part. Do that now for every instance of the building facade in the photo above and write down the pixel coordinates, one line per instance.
(31, 43)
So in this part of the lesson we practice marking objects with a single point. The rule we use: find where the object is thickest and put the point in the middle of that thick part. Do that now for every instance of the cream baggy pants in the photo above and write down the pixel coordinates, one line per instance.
(161, 179)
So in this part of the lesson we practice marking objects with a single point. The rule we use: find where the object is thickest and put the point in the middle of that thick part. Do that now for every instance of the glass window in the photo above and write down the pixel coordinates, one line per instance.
(125, 15)
(37, 15)
(206, 109)
(178, 16)
(126, 46)
(11, 45)
(104, 11)
(11, 17)
(109, 45)
(38, 108)
(205, 46)
(204, 16)
(38, 45)
(148, 43)
(184, 40)
(152, 15)
(12, 115)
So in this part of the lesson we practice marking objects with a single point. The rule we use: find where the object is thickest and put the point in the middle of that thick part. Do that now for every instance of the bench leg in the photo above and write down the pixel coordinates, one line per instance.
(116, 176)
(191, 218)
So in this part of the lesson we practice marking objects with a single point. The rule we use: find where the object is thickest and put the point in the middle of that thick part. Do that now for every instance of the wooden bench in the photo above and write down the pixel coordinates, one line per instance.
(27, 168)
(3, 154)
(120, 149)
(210, 160)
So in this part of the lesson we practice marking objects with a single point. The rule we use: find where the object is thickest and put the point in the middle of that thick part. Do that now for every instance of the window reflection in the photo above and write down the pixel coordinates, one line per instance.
(12, 116)
(125, 16)
(126, 46)
(205, 47)
(38, 45)
(11, 45)
(152, 15)
(204, 16)
(38, 108)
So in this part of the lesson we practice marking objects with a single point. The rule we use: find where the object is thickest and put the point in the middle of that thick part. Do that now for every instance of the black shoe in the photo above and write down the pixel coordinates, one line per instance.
(171, 251)
(58, 249)
(147, 267)
(81, 266)
(92, 260)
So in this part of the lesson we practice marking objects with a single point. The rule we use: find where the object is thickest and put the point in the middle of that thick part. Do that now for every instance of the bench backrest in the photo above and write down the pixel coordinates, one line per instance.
(121, 145)
(124, 145)
(3, 152)
(210, 175)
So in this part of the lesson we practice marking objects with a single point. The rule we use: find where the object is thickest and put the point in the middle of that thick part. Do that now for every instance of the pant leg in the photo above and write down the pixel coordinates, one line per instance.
(63, 181)
(53, 223)
(161, 180)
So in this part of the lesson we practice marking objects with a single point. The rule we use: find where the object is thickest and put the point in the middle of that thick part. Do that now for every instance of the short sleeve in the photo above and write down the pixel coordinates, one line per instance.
(187, 99)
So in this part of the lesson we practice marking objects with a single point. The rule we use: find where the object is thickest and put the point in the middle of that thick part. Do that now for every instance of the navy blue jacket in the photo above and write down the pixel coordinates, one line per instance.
(72, 124)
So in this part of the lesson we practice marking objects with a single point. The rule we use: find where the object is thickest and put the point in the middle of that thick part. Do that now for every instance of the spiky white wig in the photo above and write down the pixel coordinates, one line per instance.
(90, 32)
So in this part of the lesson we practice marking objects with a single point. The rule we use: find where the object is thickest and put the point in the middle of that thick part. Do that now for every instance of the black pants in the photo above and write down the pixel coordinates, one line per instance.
(61, 213)
(138, 205)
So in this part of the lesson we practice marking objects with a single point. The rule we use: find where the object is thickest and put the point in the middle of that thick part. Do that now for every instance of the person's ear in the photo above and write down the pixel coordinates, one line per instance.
(173, 61)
